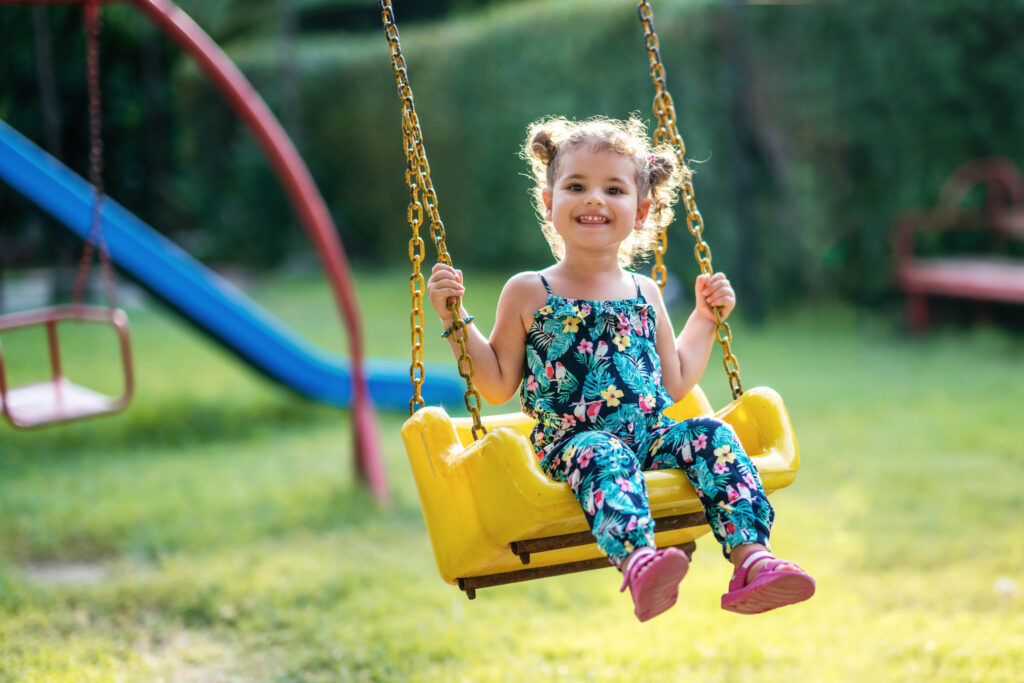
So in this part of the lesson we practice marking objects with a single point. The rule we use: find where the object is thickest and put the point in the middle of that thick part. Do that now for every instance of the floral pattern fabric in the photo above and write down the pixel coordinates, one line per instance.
(593, 383)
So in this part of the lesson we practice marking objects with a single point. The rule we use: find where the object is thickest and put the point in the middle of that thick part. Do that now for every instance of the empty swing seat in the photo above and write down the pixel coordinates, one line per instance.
(57, 399)
(494, 517)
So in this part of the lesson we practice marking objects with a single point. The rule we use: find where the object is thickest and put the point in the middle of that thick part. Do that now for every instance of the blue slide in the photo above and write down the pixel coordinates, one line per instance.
(206, 299)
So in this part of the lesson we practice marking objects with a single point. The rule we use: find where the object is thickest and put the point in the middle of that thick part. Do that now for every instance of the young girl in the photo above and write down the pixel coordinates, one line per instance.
(591, 348)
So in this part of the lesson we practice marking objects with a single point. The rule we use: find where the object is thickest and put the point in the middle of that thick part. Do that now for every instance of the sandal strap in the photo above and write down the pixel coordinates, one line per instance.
(774, 563)
(755, 557)
(740, 575)
(636, 568)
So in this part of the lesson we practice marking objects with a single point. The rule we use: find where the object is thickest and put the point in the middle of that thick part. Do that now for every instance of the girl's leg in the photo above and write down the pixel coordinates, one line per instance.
(605, 476)
(762, 582)
(709, 453)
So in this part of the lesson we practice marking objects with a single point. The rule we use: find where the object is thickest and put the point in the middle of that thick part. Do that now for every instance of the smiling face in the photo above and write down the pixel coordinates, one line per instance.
(593, 201)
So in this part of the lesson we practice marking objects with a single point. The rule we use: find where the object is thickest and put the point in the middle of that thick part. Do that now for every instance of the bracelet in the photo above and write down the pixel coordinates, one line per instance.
(465, 321)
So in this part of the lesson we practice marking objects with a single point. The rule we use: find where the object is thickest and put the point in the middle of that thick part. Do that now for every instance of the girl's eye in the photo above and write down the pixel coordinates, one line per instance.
(614, 190)
(575, 187)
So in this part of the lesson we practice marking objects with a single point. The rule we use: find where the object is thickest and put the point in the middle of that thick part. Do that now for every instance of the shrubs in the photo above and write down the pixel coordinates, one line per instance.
(809, 125)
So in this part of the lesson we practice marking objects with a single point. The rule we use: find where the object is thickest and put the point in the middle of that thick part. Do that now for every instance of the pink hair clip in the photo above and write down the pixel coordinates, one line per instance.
(651, 159)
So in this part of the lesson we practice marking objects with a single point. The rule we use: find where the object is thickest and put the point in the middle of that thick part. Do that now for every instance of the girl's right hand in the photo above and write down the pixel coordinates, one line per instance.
(445, 282)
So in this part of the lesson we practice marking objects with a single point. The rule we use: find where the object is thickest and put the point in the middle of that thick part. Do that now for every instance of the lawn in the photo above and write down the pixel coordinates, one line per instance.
(213, 532)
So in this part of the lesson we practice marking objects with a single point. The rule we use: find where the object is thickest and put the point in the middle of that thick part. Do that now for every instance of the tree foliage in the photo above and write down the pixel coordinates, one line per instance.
(809, 126)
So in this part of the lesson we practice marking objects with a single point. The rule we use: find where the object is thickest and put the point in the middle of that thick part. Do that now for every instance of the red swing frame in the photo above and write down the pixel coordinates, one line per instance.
(58, 399)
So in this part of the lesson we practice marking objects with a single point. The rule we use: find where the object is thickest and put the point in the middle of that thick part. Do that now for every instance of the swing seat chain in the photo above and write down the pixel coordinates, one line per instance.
(94, 240)
(418, 181)
(667, 132)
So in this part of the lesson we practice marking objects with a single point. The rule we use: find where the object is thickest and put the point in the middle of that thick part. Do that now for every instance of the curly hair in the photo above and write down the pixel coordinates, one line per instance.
(658, 175)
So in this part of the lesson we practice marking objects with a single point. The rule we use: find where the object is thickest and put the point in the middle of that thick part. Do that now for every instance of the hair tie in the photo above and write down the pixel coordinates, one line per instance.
(651, 158)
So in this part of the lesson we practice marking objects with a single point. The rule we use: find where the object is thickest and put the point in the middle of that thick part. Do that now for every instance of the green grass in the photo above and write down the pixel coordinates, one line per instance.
(217, 534)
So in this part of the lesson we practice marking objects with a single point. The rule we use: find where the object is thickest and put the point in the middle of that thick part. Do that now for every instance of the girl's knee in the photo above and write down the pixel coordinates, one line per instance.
(716, 430)
(708, 424)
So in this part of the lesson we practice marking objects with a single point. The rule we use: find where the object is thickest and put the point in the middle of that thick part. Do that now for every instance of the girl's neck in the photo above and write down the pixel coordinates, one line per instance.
(590, 279)
(590, 266)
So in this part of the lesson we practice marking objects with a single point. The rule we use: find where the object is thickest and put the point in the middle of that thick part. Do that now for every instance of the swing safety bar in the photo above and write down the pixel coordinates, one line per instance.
(57, 399)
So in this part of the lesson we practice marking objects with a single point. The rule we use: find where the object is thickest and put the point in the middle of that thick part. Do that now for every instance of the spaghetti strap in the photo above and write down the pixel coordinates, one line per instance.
(546, 285)
(639, 294)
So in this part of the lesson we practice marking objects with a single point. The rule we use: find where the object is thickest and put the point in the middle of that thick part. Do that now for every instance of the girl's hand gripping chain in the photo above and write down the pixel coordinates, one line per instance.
(714, 290)
(445, 283)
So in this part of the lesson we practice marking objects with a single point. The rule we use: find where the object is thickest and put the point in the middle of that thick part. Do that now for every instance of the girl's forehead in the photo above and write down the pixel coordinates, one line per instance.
(600, 163)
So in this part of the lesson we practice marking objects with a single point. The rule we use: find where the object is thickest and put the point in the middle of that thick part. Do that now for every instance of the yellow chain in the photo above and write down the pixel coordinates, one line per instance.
(417, 179)
(668, 132)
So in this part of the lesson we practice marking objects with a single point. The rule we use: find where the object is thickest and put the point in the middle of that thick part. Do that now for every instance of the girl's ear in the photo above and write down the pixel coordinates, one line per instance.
(546, 196)
(642, 209)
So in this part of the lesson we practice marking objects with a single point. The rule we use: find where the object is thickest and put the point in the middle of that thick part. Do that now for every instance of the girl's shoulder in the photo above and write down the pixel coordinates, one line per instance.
(649, 288)
(525, 283)
(526, 290)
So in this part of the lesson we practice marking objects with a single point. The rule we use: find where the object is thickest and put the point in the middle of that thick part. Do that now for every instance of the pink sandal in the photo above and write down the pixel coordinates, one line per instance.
(772, 587)
(653, 581)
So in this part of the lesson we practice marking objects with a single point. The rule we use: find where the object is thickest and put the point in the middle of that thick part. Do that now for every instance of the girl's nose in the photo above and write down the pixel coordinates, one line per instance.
(594, 198)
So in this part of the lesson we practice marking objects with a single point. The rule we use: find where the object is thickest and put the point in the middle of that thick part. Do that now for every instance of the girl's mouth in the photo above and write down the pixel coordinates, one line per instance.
(591, 220)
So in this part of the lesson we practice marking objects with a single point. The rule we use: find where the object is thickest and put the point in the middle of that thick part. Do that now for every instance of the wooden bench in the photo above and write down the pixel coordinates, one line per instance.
(984, 268)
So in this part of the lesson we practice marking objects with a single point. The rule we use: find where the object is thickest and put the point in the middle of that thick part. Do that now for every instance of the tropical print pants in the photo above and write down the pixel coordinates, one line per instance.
(605, 474)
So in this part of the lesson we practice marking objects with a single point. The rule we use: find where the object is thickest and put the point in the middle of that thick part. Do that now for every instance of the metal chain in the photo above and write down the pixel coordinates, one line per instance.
(668, 133)
(417, 179)
(416, 287)
(95, 238)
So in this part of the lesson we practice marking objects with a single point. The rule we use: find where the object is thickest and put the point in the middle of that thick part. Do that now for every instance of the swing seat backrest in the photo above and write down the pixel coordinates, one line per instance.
(481, 498)
(56, 398)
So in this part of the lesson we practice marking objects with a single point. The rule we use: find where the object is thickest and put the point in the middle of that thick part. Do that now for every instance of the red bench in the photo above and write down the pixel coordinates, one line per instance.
(989, 276)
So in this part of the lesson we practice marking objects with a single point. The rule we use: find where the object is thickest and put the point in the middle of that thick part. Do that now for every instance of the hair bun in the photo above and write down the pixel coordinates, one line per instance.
(661, 166)
(542, 146)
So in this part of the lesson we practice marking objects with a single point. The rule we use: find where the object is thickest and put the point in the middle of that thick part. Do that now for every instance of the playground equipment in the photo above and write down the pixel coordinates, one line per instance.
(489, 508)
(200, 295)
(58, 399)
(983, 275)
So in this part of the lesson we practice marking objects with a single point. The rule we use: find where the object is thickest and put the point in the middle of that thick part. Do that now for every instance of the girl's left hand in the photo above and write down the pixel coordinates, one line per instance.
(714, 290)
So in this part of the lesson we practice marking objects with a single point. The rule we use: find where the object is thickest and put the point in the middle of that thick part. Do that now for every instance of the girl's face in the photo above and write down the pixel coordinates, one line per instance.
(593, 201)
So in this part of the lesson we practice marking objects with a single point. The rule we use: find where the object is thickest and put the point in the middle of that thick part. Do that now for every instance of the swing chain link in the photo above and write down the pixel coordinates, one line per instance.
(418, 180)
(668, 133)
(94, 239)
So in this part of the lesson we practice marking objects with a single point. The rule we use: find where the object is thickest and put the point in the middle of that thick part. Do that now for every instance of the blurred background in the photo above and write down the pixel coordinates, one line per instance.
(215, 530)
(809, 124)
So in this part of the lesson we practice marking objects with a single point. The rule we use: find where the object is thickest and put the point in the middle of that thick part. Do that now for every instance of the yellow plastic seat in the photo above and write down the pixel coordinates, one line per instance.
(490, 509)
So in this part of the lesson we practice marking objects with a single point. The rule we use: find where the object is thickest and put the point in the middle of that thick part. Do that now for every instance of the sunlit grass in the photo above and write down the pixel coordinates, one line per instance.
(225, 539)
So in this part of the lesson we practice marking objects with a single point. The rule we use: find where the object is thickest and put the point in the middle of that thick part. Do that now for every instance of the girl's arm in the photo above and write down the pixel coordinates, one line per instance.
(684, 358)
(498, 362)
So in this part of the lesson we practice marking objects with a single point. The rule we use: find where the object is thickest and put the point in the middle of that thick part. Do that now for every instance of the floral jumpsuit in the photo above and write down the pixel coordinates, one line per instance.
(593, 383)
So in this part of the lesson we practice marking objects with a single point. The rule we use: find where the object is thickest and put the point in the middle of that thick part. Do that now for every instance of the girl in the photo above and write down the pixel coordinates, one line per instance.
(591, 348)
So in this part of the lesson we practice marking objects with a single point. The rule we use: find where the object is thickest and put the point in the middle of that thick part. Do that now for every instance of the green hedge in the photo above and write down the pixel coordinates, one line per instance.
(843, 114)
(810, 126)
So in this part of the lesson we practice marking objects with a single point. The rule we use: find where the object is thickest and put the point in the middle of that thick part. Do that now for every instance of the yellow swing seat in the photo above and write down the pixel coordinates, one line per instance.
(490, 509)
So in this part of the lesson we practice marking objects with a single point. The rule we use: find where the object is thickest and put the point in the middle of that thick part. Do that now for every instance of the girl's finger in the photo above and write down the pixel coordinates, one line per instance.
(444, 276)
(720, 285)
